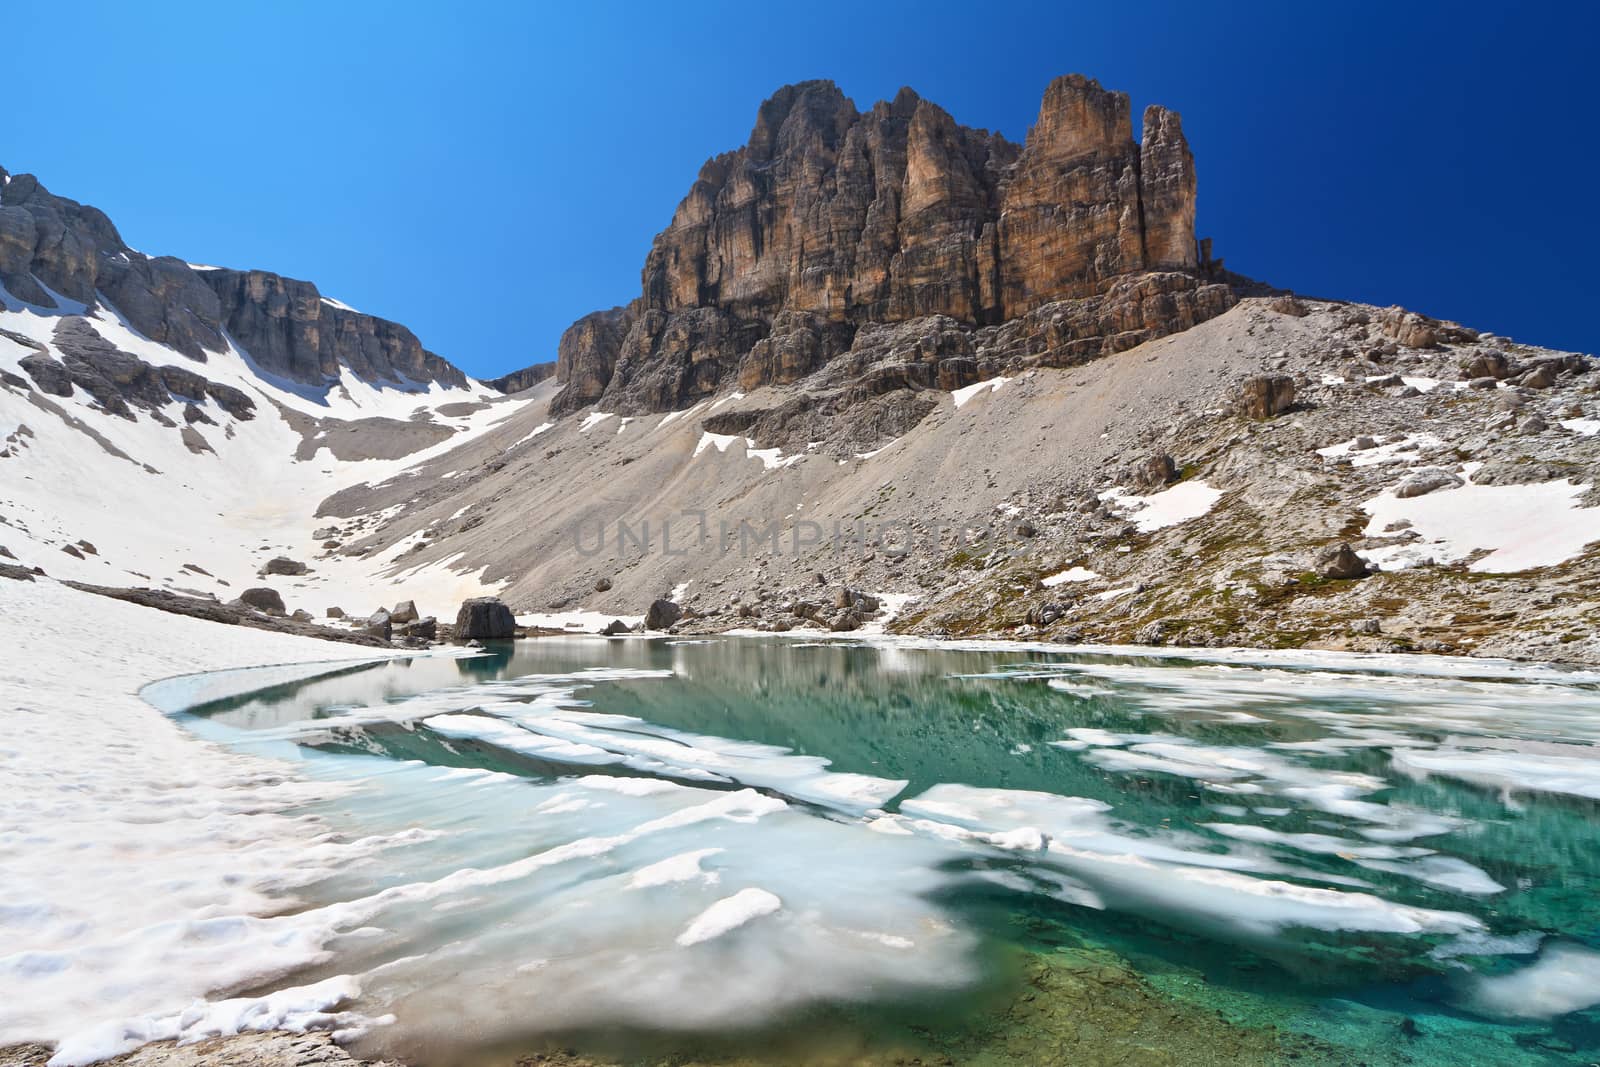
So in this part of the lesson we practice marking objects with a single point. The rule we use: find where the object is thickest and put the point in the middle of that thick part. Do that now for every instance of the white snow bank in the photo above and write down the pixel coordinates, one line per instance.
(297, 1009)
(1182, 502)
(1521, 526)
(535, 432)
(1585, 427)
(116, 883)
(1071, 574)
(966, 393)
(1407, 449)
(771, 458)
(85, 473)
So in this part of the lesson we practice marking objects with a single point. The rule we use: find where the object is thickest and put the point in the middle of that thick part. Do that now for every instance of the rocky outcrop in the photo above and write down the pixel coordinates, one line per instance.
(831, 221)
(1338, 561)
(291, 330)
(51, 244)
(1167, 192)
(587, 355)
(1266, 395)
(262, 599)
(526, 378)
(116, 379)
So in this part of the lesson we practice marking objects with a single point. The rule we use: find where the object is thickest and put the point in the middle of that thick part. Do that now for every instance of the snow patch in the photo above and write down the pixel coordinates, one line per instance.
(966, 393)
(1071, 574)
(1181, 503)
(1521, 526)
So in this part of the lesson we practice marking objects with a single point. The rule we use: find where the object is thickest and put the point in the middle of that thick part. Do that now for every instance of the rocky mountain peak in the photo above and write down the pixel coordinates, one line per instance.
(798, 117)
(1078, 118)
(52, 247)
(831, 219)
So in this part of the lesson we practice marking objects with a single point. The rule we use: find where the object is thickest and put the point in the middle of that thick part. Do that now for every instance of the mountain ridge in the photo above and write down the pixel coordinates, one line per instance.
(831, 219)
(52, 246)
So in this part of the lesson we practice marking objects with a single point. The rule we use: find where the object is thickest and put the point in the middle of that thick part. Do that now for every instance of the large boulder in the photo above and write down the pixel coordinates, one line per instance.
(16, 572)
(1155, 473)
(662, 614)
(379, 624)
(263, 599)
(405, 611)
(615, 628)
(1266, 395)
(284, 565)
(1338, 561)
(1485, 363)
(1425, 481)
(424, 629)
(844, 622)
(847, 599)
(484, 618)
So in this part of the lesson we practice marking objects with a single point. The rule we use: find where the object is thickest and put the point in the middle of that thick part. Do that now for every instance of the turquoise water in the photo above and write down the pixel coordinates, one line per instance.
(737, 850)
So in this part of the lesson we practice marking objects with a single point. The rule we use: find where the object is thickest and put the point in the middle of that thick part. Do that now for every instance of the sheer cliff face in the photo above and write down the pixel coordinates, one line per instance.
(285, 325)
(831, 218)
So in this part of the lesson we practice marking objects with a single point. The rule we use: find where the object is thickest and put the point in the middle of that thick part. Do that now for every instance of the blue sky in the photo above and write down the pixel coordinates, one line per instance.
(487, 172)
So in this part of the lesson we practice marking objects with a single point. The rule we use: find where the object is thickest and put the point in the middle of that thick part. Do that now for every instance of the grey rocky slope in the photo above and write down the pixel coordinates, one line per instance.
(539, 500)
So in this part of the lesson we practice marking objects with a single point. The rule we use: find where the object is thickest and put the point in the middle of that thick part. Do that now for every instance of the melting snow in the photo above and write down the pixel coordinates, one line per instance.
(1181, 503)
(966, 393)
(771, 458)
(1521, 526)
(1071, 574)
(1407, 449)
